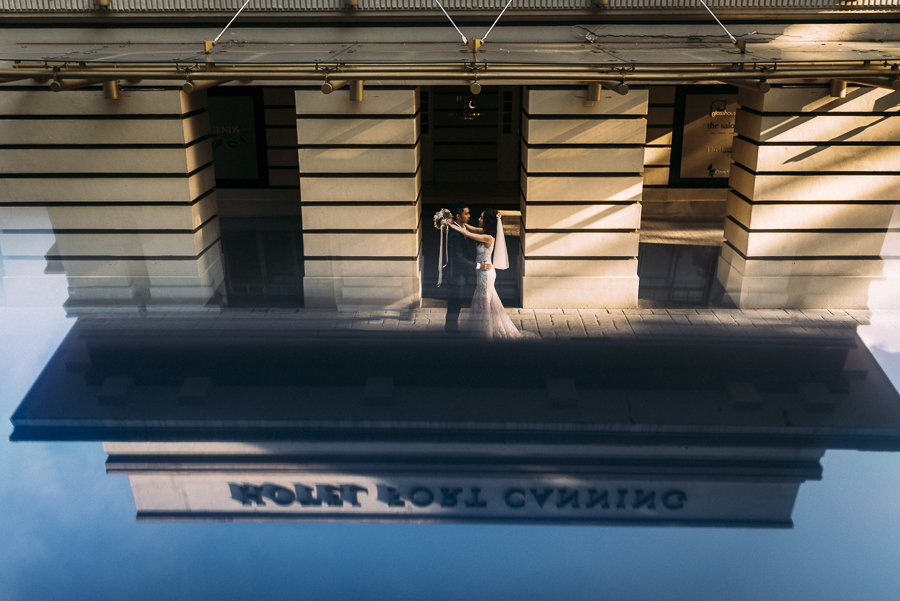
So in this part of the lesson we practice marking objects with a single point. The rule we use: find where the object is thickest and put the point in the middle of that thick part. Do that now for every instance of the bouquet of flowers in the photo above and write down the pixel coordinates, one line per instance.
(442, 219)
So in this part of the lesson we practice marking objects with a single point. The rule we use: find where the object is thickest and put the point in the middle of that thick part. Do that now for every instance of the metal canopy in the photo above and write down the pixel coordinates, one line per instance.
(649, 51)
(617, 64)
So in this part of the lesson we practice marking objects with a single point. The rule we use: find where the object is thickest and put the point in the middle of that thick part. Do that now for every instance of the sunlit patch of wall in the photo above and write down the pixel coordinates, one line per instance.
(581, 191)
(814, 194)
(360, 189)
(117, 194)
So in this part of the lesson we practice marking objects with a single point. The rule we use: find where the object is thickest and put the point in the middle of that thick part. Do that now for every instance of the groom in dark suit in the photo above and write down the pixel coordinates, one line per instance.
(461, 265)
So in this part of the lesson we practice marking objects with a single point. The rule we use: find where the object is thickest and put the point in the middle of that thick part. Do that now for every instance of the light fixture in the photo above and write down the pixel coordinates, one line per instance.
(190, 87)
(111, 90)
(888, 83)
(619, 87)
(356, 90)
(475, 88)
(837, 88)
(73, 84)
(750, 84)
(330, 86)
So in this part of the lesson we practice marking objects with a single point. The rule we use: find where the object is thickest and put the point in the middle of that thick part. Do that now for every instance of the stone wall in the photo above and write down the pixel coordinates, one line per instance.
(118, 195)
(360, 189)
(581, 192)
(813, 209)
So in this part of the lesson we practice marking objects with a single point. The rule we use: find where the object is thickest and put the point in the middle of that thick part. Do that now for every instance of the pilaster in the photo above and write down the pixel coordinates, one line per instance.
(116, 195)
(815, 200)
(581, 191)
(360, 187)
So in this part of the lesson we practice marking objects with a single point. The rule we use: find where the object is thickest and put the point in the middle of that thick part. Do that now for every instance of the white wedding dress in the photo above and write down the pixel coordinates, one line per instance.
(489, 318)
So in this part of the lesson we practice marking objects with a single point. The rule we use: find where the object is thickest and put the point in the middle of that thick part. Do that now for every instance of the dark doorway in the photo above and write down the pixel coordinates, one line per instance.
(255, 157)
(471, 152)
(474, 138)
(263, 262)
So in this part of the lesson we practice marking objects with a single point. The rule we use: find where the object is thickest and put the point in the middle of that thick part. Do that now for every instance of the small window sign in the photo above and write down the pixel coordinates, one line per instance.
(701, 145)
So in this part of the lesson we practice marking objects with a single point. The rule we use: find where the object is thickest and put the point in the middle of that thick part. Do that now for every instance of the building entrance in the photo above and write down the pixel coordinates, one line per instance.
(687, 164)
(473, 138)
(254, 148)
(470, 148)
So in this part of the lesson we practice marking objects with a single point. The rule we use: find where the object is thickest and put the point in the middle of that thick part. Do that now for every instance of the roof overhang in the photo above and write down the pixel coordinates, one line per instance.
(651, 60)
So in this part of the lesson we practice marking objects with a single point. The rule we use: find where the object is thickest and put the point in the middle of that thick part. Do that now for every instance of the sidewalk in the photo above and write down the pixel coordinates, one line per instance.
(552, 324)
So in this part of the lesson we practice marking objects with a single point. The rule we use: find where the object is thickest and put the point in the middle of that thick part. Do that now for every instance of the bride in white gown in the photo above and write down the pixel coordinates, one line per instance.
(489, 318)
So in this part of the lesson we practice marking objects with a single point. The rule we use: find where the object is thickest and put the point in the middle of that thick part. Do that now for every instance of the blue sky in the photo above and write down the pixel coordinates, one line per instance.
(69, 532)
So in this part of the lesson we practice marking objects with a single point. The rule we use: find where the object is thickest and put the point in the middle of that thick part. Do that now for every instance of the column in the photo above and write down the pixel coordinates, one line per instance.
(360, 187)
(814, 198)
(581, 192)
(117, 195)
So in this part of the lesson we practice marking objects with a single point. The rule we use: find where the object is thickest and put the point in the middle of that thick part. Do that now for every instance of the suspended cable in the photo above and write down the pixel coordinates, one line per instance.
(236, 16)
(484, 37)
(733, 39)
(475, 43)
(465, 41)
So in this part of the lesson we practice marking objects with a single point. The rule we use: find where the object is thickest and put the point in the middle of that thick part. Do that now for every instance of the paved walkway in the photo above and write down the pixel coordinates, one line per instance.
(547, 323)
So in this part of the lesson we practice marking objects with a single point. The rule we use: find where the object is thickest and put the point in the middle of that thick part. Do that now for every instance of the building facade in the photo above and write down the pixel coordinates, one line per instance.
(166, 172)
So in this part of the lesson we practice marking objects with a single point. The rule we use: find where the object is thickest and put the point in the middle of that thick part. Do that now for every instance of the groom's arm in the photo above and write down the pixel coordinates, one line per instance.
(461, 252)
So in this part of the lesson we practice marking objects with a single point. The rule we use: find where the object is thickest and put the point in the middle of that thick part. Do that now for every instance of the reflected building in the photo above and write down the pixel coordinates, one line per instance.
(230, 422)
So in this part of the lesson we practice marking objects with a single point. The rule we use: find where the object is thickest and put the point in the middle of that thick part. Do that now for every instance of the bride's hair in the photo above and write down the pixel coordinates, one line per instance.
(490, 222)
